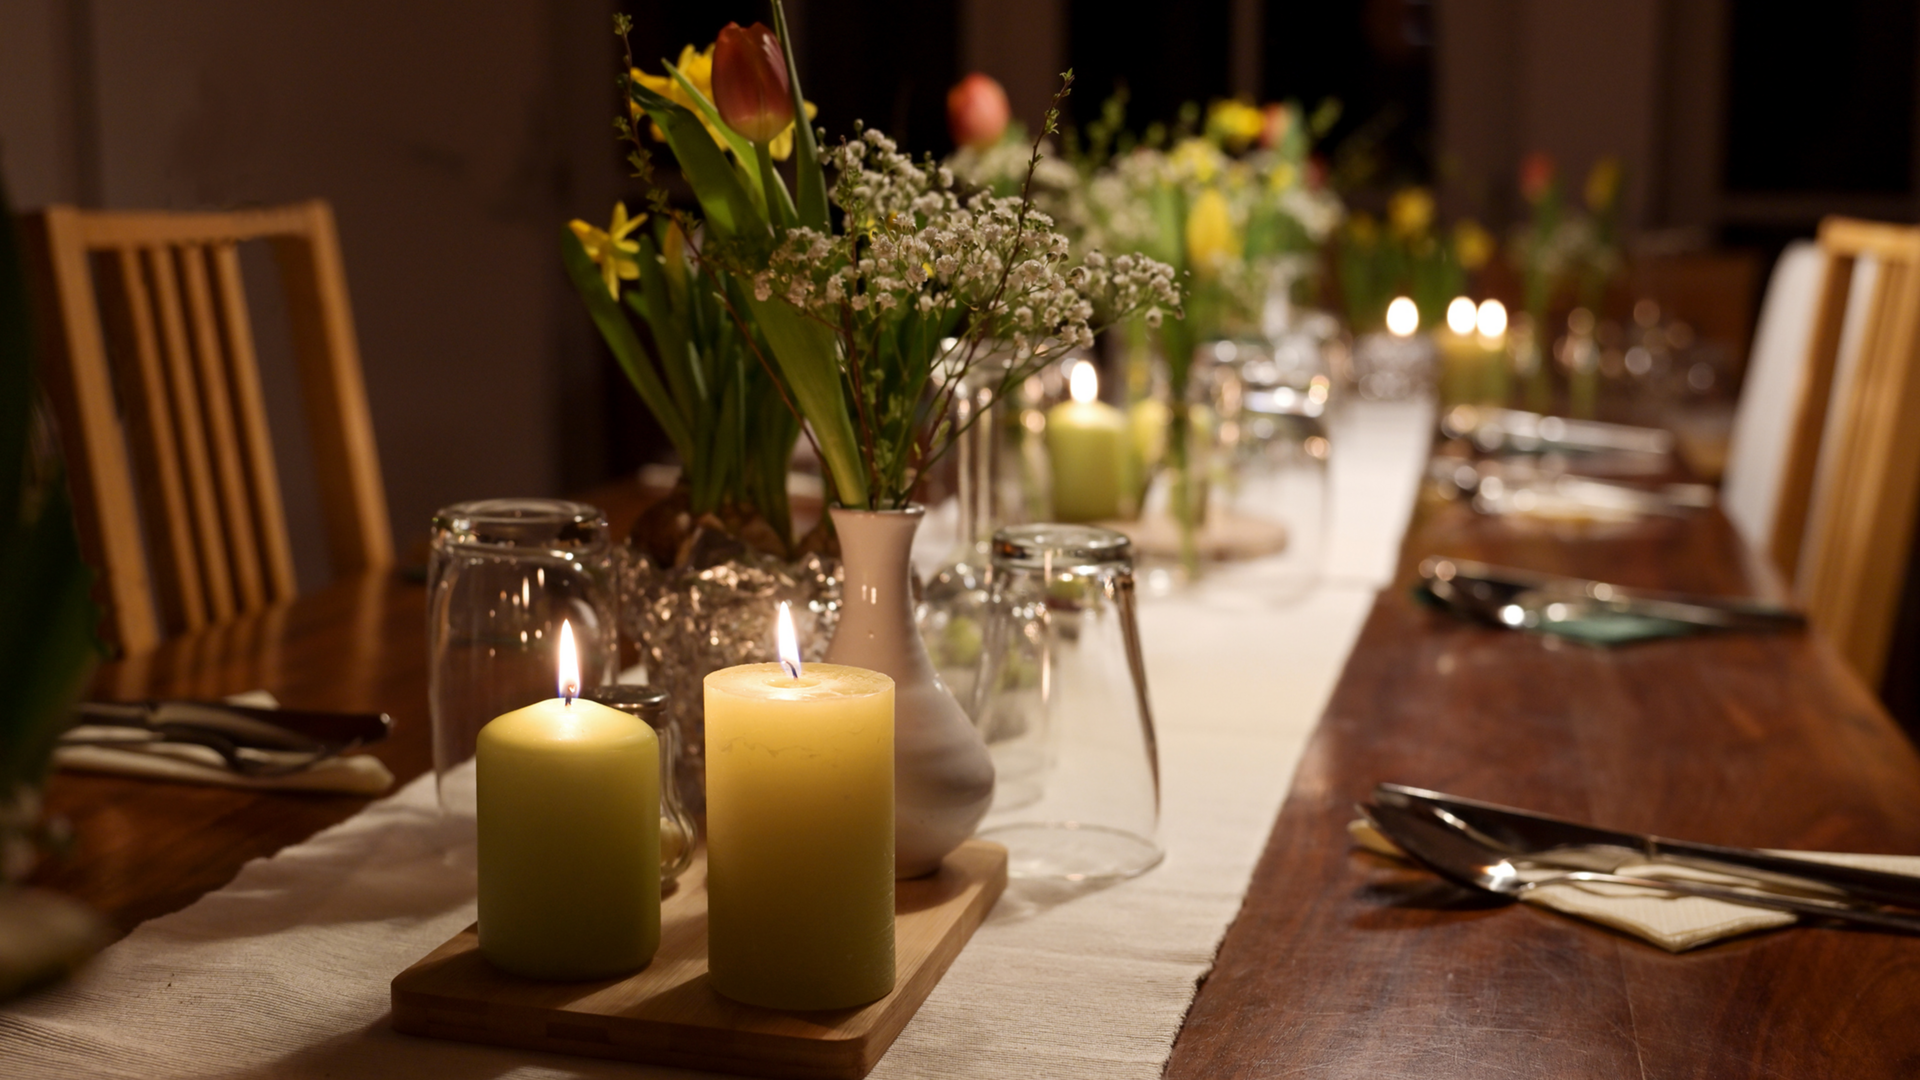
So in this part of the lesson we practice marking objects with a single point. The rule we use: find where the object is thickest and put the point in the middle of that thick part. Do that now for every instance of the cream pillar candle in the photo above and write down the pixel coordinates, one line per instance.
(1087, 442)
(569, 834)
(800, 834)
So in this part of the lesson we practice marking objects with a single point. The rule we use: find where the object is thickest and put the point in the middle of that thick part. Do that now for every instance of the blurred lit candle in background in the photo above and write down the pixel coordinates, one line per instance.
(1490, 326)
(569, 834)
(1460, 355)
(800, 832)
(1087, 442)
(1403, 317)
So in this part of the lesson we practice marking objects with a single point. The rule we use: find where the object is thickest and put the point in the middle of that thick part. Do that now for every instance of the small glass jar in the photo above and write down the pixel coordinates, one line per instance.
(679, 832)
(502, 577)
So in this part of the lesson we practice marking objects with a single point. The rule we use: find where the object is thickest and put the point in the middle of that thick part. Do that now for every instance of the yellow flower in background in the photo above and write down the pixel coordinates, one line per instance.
(1472, 245)
(1234, 124)
(1363, 229)
(781, 148)
(610, 249)
(1283, 177)
(1197, 158)
(1410, 212)
(1211, 240)
(697, 66)
(1603, 184)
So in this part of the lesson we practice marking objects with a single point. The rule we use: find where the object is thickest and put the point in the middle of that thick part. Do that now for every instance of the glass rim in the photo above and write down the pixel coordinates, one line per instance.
(1053, 545)
(520, 522)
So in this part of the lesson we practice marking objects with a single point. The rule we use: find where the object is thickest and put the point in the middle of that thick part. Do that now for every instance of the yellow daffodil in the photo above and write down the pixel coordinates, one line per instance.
(1410, 212)
(1472, 245)
(1363, 229)
(1211, 240)
(1282, 177)
(610, 249)
(1196, 158)
(1234, 124)
(697, 66)
(1603, 184)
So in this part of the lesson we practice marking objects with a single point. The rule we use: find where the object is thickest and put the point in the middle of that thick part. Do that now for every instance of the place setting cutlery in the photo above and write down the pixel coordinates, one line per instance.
(1673, 893)
(1594, 611)
(246, 742)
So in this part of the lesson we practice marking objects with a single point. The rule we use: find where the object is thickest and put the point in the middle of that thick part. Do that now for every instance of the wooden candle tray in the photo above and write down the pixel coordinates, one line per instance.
(668, 1014)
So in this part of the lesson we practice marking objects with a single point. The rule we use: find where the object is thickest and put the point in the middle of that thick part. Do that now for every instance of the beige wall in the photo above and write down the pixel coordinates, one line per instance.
(453, 140)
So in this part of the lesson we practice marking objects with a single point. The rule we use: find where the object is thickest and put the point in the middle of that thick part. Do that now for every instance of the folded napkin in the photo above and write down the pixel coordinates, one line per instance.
(355, 774)
(1675, 923)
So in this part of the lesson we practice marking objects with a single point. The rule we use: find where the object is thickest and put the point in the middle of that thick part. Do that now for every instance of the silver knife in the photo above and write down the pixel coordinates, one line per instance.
(244, 725)
(1541, 836)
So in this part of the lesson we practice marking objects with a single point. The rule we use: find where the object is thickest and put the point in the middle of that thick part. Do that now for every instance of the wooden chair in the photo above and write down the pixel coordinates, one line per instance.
(1844, 524)
(161, 412)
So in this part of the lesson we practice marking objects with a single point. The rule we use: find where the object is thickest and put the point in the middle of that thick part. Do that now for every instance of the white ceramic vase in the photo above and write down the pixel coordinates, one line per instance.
(943, 776)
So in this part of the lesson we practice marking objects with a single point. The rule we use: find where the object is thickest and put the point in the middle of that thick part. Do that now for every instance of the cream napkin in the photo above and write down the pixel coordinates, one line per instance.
(355, 774)
(1675, 923)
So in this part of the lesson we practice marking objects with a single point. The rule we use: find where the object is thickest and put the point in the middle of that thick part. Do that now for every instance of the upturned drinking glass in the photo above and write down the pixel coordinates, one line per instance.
(1062, 701)
(503, 575)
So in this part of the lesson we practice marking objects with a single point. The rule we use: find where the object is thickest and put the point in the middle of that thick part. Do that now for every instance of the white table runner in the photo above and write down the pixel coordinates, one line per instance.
(285, 971)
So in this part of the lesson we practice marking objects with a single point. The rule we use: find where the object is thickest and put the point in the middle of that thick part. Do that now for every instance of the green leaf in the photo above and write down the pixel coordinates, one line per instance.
(807, 353)
(742, 149)
(654, 302)
(729, 208)
(626, 345)
(810, 179)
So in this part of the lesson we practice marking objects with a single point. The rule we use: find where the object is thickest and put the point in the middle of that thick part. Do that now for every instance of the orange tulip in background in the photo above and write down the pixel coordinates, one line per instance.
(977, 111)
(750, 82)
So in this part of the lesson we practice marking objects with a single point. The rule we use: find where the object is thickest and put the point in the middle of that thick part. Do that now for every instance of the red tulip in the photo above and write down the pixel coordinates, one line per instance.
(977, 111)
(1536, 176)
(750, 82)
(1276, 120)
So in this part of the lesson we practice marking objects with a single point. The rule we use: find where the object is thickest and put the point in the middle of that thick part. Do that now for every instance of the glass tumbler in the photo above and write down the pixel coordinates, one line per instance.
(1062, 700)
(679, 832)
(503, 575)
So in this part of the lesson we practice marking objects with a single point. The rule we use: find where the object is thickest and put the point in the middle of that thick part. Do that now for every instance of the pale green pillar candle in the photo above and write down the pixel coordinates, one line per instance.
(569, 828)
(1087, 442)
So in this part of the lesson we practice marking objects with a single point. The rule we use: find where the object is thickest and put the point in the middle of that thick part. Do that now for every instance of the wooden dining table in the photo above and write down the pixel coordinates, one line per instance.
(1340, 963)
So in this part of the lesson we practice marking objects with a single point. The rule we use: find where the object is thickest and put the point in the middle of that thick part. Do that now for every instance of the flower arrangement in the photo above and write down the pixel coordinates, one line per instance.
(866, 301)
(1558, 249)
(1405, 256)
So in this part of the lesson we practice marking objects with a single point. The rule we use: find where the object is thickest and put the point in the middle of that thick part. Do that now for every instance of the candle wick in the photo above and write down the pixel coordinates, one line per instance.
(791, 667)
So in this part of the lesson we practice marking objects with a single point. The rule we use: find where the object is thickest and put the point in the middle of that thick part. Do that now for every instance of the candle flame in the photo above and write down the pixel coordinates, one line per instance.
(569, 664)
(789, 642)
(1460, 315)
(1084, 382)
(1403, 317)
(1491, 318)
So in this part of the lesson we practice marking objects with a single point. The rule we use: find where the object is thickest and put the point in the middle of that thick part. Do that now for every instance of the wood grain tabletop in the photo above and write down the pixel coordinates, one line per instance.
(1345, 964)
(1340, 964)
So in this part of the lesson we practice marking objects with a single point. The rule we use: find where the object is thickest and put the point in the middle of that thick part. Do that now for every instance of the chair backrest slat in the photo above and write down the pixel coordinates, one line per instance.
(191, 472)
(190, 426)
(1851, 489)
(270, 515)
(230, 473)
(147, 403)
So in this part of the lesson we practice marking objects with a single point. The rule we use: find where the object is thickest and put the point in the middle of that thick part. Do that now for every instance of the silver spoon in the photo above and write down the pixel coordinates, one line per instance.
(1451, 854)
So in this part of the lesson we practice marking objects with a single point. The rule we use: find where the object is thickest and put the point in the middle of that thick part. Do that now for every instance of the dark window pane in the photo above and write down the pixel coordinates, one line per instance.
(1822, 97)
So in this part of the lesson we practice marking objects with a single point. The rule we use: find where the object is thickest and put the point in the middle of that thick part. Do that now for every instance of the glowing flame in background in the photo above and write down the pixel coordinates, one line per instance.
(1460, 316)
(789, 642)
(569, 664)
(1083, 382)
